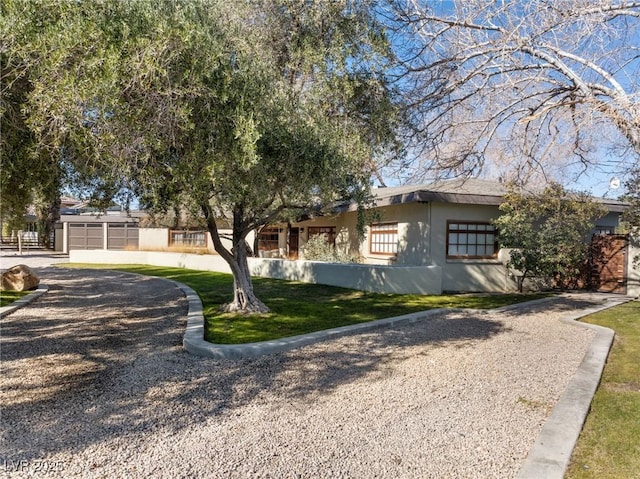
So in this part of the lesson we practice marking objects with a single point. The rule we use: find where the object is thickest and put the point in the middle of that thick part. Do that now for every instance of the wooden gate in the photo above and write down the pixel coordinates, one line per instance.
(609, 263)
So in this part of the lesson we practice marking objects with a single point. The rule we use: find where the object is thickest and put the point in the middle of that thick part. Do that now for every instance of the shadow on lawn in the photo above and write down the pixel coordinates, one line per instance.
(71, 380)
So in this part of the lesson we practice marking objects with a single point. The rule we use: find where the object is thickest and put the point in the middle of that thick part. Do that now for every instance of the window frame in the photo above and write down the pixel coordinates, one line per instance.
(330, 231)
(393, 242)
(192, 236)
(467, 244)
(273, 232)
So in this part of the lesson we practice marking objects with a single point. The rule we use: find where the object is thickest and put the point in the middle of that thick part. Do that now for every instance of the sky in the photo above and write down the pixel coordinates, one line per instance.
(595, 180)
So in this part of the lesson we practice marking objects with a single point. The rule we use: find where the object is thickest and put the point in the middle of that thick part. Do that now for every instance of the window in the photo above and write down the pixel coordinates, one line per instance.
(330, 231)
(384, 238)
(604, 230)
(197, 238)
(268, 239)
(471, 240)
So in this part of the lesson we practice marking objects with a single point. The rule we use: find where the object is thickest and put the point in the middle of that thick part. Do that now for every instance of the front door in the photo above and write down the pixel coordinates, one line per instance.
(294, 240)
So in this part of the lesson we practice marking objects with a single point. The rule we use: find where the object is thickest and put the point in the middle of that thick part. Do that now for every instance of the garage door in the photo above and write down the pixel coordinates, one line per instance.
(85, 236)
(122, 236)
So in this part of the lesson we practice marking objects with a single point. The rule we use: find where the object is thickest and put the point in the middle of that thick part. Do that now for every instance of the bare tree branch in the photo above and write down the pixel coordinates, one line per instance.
(518, 84)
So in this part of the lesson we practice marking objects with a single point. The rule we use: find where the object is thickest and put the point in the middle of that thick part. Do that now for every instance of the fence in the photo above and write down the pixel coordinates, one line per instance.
(25, 240)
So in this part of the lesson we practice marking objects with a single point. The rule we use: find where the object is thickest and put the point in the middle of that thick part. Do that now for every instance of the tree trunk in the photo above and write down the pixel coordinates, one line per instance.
(244, 299)
(48, 216)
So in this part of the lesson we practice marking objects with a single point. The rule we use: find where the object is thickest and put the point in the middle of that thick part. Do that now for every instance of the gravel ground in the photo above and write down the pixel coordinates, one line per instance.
(95, 384)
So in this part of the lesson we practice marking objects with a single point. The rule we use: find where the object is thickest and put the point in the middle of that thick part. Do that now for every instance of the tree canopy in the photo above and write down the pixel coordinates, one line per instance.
(549, 232)
(519, 87)
(245, 111)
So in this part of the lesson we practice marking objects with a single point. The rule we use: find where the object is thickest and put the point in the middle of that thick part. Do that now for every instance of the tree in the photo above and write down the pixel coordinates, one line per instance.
(243, 111)
(28, 175)
(549, 231)
(536, 86)
(632, 195)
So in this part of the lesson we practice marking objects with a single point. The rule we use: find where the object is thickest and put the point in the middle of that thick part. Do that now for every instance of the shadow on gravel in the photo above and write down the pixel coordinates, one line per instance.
(557, 305)
(100, 357)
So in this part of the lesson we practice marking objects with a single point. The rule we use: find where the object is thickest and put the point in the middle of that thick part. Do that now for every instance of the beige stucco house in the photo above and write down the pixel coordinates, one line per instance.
(426, 239)
(446, 225)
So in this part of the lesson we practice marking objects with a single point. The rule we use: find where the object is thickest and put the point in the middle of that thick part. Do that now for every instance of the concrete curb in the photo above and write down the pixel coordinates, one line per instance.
(7, 310)
(194, 343)
(551, 453)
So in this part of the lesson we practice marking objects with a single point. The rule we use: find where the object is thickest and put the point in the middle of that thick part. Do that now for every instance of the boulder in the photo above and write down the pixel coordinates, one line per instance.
(19, 278)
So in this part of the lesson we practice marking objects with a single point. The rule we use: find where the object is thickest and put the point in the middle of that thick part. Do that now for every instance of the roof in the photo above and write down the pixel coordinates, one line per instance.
(464, 191)
(471, 191)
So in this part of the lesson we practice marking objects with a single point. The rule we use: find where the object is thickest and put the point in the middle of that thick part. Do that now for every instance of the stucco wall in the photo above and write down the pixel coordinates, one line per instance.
(153, 238)
(158, 239)
(383, 279)
(611, 220)
(472, 275)
(375, 278)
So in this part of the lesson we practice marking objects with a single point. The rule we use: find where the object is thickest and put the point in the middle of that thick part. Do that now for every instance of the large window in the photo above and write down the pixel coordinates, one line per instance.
(384, 238)
(330, 231)
(268, 239)
(471, 240)
(189, 238)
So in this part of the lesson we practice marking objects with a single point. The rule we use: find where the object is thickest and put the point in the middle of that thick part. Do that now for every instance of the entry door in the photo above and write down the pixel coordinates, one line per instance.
(609, 263)
(294, 241)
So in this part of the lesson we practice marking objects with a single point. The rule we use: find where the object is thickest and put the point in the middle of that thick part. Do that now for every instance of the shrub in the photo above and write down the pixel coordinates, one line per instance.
(318, 248)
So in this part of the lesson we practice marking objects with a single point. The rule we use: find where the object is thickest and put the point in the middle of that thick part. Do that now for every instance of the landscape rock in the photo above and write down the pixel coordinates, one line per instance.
(19, 278)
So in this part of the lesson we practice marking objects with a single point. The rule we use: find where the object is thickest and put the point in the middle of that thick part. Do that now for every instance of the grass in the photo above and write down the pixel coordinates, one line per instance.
(8, 297)
(299, 308)
(609, 445)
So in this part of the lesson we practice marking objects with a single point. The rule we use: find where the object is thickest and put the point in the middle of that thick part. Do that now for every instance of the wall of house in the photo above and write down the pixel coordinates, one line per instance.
(611, 220)
(473, 275)
(158, 239)
(413, 235)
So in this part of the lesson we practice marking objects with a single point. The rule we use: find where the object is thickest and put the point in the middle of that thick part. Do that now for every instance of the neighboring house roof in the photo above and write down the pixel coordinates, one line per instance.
(469, 191)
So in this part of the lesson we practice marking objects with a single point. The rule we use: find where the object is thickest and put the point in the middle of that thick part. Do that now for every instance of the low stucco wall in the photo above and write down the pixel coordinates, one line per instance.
(203, 262)
(374, 278)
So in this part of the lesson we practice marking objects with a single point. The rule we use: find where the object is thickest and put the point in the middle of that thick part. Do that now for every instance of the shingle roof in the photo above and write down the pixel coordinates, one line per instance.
(469, 191)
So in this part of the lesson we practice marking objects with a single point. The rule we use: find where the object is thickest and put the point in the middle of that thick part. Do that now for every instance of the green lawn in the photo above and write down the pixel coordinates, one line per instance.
(609, 445)
(8, 297)
(298, 308)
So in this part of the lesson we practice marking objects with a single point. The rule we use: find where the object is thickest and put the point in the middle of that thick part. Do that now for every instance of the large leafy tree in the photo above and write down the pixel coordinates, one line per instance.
(29, 175)
(548, 231)
(248, 111)
(526, 87)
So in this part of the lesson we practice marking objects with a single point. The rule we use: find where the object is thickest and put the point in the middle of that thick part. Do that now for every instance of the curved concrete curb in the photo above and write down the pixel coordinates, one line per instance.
(194, 343)
(39, 291)
(551, 453)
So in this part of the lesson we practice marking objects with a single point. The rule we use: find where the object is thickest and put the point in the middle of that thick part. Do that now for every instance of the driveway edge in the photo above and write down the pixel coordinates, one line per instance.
(194, 343)
(551, 453)
(7, 310)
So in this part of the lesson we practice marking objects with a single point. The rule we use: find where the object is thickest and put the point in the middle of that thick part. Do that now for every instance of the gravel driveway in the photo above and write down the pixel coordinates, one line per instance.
(94, 383)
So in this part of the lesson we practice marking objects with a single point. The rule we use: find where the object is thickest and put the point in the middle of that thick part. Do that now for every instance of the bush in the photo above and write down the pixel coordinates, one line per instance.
(318, 248)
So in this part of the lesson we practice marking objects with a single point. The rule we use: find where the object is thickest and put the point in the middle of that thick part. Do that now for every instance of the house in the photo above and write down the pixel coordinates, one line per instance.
(446, 225)
(425, 239)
